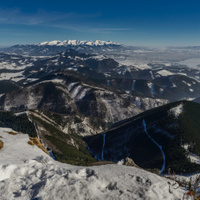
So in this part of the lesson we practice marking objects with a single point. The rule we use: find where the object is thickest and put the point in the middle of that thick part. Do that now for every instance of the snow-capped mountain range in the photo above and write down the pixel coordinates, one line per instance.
(77, 43)
(53, 47)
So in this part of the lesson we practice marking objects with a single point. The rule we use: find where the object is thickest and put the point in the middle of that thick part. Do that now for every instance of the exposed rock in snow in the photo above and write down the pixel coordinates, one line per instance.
(129, 162)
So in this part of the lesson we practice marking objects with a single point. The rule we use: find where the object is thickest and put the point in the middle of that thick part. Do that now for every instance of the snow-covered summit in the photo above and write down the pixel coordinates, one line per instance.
(77, 43)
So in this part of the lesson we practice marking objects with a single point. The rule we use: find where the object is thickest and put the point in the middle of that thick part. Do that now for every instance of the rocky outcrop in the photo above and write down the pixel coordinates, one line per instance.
(129, 162)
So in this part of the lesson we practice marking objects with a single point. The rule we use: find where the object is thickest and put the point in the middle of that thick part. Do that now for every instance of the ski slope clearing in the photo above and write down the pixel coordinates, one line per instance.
(26, 173)
(177, 110)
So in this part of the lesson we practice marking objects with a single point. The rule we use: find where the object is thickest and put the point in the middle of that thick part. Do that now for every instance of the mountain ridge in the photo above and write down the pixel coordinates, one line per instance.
(77, 43)
(53, 47)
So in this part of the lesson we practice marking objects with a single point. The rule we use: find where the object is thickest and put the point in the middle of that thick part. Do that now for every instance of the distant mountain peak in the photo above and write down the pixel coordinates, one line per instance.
(76, 43)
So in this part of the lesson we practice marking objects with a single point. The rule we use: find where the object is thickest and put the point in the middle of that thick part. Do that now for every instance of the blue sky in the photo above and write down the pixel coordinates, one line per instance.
(141, 22)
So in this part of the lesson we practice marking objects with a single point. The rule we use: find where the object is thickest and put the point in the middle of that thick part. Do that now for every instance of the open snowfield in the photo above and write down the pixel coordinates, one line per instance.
(26, 172)
(191, 63)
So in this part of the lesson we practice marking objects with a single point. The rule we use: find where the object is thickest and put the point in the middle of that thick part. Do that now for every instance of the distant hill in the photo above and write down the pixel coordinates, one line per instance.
(172, 83)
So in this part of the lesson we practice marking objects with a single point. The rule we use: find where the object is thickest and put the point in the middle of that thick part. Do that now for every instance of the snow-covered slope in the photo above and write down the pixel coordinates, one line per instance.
(16, 150)
(28, 173)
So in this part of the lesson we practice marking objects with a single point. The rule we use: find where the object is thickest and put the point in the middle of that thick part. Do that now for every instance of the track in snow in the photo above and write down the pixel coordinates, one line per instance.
(159, 146)
(104, 142)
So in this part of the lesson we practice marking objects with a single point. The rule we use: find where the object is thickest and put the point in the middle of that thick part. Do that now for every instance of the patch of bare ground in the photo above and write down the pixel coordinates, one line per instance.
(30, 142)
(1, 144)
(36, 141)
(101, 163)
(14, 133)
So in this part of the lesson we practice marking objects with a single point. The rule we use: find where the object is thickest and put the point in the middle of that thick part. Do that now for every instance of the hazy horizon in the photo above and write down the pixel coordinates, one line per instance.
(128, 45)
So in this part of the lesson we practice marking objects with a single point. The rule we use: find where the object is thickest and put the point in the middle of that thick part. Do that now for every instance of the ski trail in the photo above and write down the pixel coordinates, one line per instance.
(133, 85)
(160, 147)
(153, 90)
(95, 156)
(104, 141)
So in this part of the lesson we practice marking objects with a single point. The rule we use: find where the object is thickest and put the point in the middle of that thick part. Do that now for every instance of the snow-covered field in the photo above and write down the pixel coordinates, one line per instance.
(191, 63)
(26, 172)
(16, 76)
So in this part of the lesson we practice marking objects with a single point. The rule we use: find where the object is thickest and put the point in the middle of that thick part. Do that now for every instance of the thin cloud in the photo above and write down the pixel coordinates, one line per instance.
(82, 28)
(71, 21)
(111, 29)
(41, 17)
(117, 29)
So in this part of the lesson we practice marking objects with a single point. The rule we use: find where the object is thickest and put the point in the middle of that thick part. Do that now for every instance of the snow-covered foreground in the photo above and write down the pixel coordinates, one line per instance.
(26, 172)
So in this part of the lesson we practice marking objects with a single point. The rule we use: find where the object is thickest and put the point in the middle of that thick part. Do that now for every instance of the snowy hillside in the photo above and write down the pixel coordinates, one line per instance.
(28, 173)
(163, 81)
